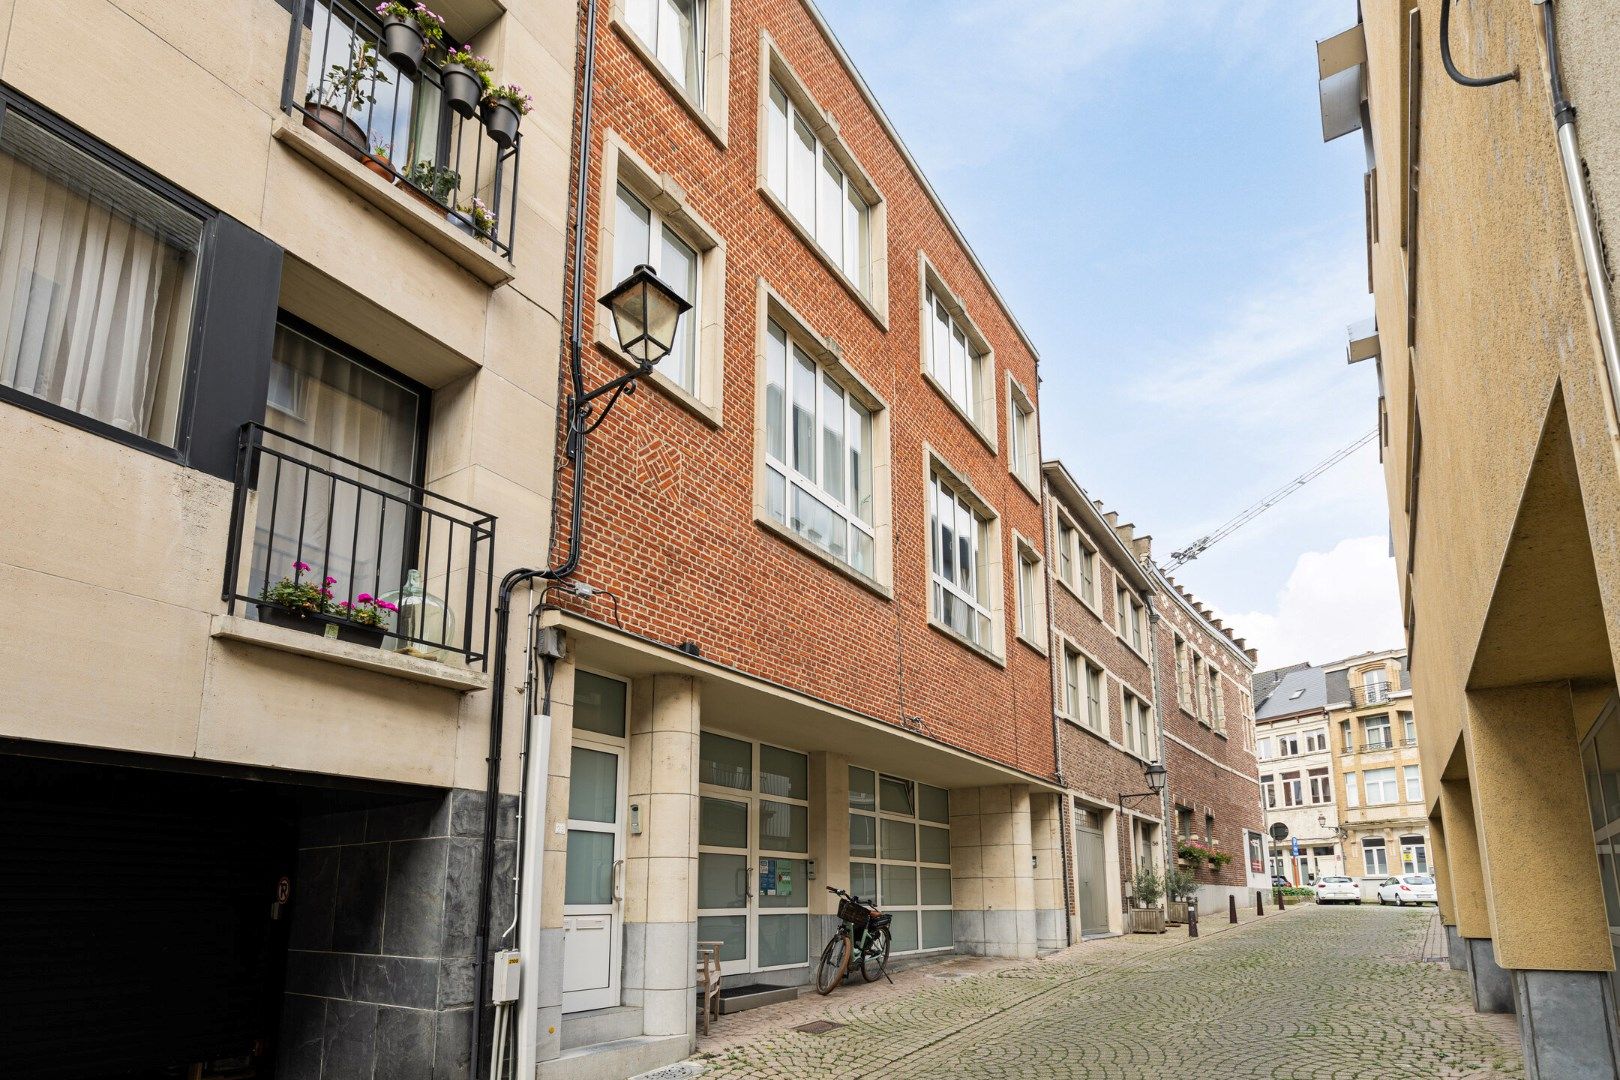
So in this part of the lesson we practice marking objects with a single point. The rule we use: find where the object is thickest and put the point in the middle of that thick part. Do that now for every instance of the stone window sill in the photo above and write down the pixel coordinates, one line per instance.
(416, 669)
(432, 229)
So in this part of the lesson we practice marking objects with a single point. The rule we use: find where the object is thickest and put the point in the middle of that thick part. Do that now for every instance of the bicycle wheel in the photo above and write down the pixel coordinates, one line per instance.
(875, 957)
(834, 962)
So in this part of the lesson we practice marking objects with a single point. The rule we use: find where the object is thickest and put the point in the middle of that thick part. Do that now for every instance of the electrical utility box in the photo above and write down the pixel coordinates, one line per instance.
(507, 976)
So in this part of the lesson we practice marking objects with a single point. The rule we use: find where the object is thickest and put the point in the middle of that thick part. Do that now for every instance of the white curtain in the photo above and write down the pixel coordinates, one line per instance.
(350, 411)
(93, 306)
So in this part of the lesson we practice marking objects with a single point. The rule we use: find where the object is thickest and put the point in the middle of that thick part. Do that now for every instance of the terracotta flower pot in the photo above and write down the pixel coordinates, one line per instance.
(403, 44)
(336, 127)
(381, 167)
(501, 120)
(462, 88)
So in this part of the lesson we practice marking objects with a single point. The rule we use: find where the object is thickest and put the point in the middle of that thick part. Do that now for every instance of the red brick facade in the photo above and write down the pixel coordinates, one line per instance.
(669, 496)
(1212, 773)
(1096, 765)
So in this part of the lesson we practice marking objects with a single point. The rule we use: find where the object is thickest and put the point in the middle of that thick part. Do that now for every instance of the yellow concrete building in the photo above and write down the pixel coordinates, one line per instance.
(1372, 730)
(1494, 349)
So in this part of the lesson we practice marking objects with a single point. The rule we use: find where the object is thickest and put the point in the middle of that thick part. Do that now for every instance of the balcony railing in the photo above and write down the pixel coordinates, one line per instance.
(1362, 696)
(303, 513)
(398, 123)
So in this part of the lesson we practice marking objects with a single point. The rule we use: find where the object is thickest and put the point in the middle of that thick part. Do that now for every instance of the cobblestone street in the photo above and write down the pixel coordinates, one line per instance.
(1318, 993)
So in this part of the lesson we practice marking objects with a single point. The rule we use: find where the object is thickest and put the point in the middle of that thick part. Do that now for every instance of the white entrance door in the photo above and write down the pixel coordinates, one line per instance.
(593, 931)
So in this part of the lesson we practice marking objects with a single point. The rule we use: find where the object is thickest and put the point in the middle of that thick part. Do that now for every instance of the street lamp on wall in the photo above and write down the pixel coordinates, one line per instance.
(646, 313)
(1339, 831)
(646, 316)
(1155, 774)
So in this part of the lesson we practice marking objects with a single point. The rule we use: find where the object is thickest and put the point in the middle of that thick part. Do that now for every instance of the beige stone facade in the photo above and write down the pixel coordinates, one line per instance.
(117, 539)
(1499, 446)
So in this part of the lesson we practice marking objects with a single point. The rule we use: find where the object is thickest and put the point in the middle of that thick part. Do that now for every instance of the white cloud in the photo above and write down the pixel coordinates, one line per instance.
(992, 72)
(1335, 604)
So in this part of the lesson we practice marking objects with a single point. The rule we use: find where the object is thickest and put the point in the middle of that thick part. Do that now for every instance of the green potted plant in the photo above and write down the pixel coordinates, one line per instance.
(1192, 853)
(502, 109)
(378, 161)
(474, 219)
(1146, 890)
(345, 88)
(299, 603)
(1179, 884)
(408, 32)
(465, 79)
(432, 185)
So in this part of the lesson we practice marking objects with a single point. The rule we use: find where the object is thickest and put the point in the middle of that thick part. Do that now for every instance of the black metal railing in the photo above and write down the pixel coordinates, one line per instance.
(305, 514)
(1363, 696)
(1377, 744)
(397, 122)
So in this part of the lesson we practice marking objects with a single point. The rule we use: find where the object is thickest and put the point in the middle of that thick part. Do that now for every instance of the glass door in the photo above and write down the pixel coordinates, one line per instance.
(753, 840)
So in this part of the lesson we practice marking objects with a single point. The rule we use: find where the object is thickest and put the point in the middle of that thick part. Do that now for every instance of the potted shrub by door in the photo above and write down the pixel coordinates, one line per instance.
(465, 80)
(1179, 884)
(408, 32)
(1146, 891)
(502, 110)
(344, 89)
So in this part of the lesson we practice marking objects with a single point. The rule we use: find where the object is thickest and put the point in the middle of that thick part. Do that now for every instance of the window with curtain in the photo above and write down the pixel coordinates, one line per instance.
(367, 425)
(959, 541)
(640, 235)
(804, 173)
(675, 31)
(1094, 698)
(97, 282)
(1031, 595)
(818, 454)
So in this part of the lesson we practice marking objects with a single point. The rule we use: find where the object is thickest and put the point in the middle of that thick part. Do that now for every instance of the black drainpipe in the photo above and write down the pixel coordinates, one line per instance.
(575, 449)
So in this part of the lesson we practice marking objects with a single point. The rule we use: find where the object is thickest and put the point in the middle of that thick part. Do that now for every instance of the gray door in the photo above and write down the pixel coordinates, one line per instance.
(1090, 868)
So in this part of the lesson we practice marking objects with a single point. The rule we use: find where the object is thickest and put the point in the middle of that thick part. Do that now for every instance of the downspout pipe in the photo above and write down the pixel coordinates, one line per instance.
(575, 449)
(1065, 804)
(1159, 713)
(1580, 200)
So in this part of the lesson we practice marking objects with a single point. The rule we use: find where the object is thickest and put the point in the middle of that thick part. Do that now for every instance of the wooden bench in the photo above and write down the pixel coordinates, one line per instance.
(708, 981)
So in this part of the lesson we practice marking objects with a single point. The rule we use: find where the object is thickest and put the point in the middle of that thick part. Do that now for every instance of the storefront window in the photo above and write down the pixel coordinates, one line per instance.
(908, 867)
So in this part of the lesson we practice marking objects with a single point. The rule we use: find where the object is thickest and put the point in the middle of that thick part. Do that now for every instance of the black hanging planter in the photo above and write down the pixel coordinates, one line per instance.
(462, 88)
(403, 43)
(501, 121)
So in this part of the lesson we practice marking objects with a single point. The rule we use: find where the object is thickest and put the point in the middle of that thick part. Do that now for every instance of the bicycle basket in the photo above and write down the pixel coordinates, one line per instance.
(851, 912)
(880, 921)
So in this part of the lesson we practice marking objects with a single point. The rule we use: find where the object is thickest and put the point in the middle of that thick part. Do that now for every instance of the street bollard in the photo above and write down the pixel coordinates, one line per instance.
(1282, 905)
(1231, 908)
(1259, 902)
(1192, 916)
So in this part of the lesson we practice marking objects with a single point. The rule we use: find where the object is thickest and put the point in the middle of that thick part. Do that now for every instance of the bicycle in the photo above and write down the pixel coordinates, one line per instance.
(862, 937)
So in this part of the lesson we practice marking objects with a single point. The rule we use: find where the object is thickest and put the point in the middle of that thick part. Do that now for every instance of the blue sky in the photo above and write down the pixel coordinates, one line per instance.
(1149, 189)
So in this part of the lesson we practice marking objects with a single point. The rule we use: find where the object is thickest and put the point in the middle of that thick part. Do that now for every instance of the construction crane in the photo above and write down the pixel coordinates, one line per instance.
(1204, 543)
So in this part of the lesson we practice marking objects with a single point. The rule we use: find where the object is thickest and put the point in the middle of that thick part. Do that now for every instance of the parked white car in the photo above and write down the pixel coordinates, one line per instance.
(1408, 889)
(1334, 890)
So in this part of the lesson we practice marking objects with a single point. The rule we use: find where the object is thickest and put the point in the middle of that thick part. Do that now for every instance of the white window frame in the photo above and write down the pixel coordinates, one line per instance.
(1268, 784)
(1030, 596)
(1130, 618)
(1352, 791)
(1316, 741)
(1321, 785)
(1415, 849)
(706, 103)
(770, 307)
(939, 478)
(1263, 749)
(977, 403)
(1217, 697)
(917, 864)
(1293, 785)
(1288, 745)
(1023, 437)
(1375, 783)
(664, 197)
(1412, 782)
(1138, 733)
(1370, 844)
(872, 292)
(1372, 723)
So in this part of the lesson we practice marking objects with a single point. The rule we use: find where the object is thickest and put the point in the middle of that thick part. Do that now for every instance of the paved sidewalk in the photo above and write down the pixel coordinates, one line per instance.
(1314, 993)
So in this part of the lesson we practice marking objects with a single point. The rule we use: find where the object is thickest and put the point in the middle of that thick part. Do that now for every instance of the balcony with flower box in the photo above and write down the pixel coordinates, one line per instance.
(335, 560)
(412, 121)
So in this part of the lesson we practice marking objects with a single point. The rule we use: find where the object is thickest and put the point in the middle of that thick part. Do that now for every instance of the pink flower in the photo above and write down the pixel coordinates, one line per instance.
(330, 580)
(386, 606)
(301, 567)
(365, 598)
(327, 593)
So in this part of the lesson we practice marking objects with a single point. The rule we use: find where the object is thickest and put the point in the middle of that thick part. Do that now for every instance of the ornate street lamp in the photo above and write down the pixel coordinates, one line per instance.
(645, 314)
(1338, 830)
(1155, 774)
